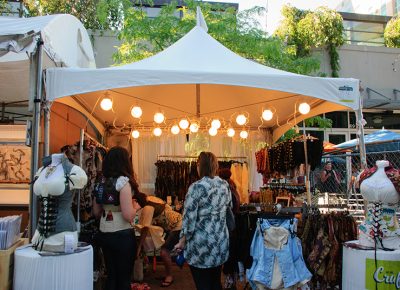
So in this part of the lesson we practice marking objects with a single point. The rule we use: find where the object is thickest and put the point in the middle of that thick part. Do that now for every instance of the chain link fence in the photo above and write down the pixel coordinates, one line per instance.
(333, 183)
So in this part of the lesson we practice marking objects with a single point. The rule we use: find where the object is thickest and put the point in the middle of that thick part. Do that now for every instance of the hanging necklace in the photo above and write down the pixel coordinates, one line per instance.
(51, 169)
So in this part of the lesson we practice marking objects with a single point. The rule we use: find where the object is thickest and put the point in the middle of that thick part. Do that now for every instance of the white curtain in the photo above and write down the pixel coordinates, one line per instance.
(147, 148)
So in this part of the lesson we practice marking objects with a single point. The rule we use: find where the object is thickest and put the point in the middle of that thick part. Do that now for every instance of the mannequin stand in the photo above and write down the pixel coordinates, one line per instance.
(359, 268)
(63, 272)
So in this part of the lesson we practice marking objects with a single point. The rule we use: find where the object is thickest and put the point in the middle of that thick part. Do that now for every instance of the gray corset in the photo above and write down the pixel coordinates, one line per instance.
(56, 214)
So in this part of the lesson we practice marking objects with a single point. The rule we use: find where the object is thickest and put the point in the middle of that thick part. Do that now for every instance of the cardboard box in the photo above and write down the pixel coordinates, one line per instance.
(7, 265)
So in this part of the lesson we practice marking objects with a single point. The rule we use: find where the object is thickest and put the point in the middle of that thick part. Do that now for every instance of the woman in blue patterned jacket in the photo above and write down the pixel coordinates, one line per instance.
(204, 234)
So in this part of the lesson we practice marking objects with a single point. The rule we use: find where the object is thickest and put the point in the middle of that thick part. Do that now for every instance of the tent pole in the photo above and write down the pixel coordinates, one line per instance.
(363, 156)
(46, 127)
(35, 137)
(78, 200)
(307, 181)
(198, 100)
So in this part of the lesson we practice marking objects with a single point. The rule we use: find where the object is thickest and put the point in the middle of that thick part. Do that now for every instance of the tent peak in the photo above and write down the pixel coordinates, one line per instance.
(200, 21)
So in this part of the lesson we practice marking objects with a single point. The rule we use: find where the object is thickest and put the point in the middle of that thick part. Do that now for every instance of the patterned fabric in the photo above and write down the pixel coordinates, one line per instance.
(204, 223)
(391, 173)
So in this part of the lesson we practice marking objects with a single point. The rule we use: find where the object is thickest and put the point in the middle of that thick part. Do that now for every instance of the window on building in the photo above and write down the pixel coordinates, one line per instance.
(316, 134)
(397, 7)
(363, 33)
(386, 119)
(339, 119)
(383, 9)
(353, 136)
(337, 138)
(352, 120)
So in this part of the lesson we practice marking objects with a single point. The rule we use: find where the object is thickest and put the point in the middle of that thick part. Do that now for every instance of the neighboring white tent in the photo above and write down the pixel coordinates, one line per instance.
(199, 77)
(27, 46)
(65, 42)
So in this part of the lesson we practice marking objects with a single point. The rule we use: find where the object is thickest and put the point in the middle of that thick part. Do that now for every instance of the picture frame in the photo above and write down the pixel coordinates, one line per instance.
(283, 200)
(15, 163)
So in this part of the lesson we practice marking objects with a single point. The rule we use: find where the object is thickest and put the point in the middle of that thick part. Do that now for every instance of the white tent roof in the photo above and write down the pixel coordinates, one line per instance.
(65, 42)
(198, 76)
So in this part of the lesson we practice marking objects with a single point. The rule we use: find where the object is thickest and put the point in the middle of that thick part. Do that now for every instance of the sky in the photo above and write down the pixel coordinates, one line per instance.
(273, 17)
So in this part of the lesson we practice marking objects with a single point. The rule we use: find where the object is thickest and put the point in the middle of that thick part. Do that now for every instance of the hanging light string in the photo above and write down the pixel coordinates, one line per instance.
(268, 114)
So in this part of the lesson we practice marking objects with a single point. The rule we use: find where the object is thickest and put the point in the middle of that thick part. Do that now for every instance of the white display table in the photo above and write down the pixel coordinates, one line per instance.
(359, 269)
(65, 272)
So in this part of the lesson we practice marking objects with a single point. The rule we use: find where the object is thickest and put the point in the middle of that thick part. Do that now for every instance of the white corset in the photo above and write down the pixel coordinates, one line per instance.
(378, 187)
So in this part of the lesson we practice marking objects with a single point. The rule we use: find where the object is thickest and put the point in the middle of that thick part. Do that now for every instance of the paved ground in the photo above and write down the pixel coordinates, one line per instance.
(182, 278)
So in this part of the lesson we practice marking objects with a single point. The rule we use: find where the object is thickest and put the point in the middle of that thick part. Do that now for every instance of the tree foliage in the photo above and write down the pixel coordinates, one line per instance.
(94, 14)
(305, 30)
(392, 32)
(143, 36)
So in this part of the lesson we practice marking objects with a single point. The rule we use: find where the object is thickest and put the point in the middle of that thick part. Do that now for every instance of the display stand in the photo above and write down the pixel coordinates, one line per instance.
(360, 271)
(63, 272)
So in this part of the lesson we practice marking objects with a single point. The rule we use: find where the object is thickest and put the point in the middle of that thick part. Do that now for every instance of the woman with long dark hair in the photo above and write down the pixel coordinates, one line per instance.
(116, 208)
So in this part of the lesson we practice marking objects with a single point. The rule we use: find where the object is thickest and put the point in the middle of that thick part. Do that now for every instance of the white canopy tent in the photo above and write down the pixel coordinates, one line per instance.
(198, 78)
(64, 41)
(18, 41)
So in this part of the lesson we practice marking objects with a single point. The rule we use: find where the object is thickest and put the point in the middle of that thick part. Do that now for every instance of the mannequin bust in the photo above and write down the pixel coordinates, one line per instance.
(54, 185)
(378, 187)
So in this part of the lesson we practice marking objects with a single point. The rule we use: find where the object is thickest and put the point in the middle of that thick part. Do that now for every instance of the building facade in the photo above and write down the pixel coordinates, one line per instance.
(365, 57)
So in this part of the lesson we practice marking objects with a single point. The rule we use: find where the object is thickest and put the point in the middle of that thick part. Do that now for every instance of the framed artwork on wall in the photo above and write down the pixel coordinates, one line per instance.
(283, 200)
(15, 163)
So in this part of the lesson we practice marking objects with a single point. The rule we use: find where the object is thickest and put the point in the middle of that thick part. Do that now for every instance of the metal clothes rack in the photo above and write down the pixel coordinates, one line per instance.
(287, 186)
(195, 157)
(82, 139)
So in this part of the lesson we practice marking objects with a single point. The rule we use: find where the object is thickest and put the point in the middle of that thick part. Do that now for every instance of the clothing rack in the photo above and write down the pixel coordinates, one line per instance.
(265, 207)
(287, 186)
(195, 157)
(83, 134)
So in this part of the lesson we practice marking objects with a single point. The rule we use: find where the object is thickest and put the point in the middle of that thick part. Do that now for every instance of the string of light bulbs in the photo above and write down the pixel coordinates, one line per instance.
(194, 126)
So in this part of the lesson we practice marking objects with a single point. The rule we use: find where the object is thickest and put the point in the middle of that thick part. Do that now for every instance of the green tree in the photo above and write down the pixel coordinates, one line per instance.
(94, 14)
(392, 32)
(317, 121)
(306, 30)
(142, 36)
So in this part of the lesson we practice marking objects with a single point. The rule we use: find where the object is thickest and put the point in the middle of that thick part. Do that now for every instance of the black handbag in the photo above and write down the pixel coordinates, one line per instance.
(230, 219)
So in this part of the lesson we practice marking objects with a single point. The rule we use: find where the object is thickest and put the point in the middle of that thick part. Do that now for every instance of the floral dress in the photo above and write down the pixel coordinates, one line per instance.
(204, 223)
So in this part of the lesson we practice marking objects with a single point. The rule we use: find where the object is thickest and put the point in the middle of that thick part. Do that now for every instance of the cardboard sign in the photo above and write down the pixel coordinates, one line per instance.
(386, 274)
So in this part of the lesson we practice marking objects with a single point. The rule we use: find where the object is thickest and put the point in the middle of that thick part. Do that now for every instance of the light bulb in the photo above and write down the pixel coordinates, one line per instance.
(194, 127)
(157, 131)
(267, 115)
(175, 129)
(212, 131)
(136, 112)
(230, 132)
(216, 124)
(135, 134)
(241, 119)
(244, 134)
(184, 124)
(106, 104)
(304, 108)
(159, 118)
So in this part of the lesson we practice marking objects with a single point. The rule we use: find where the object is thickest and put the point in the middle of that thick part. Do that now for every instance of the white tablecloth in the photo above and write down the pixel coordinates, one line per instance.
(355, 263)
(66, 272)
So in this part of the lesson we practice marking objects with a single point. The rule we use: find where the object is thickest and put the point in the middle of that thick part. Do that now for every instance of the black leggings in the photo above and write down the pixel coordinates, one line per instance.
(207, 278)
(119, 250)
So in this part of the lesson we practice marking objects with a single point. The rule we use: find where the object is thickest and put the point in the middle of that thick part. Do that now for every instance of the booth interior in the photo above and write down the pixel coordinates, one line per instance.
(199, 96)
(196, 96)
